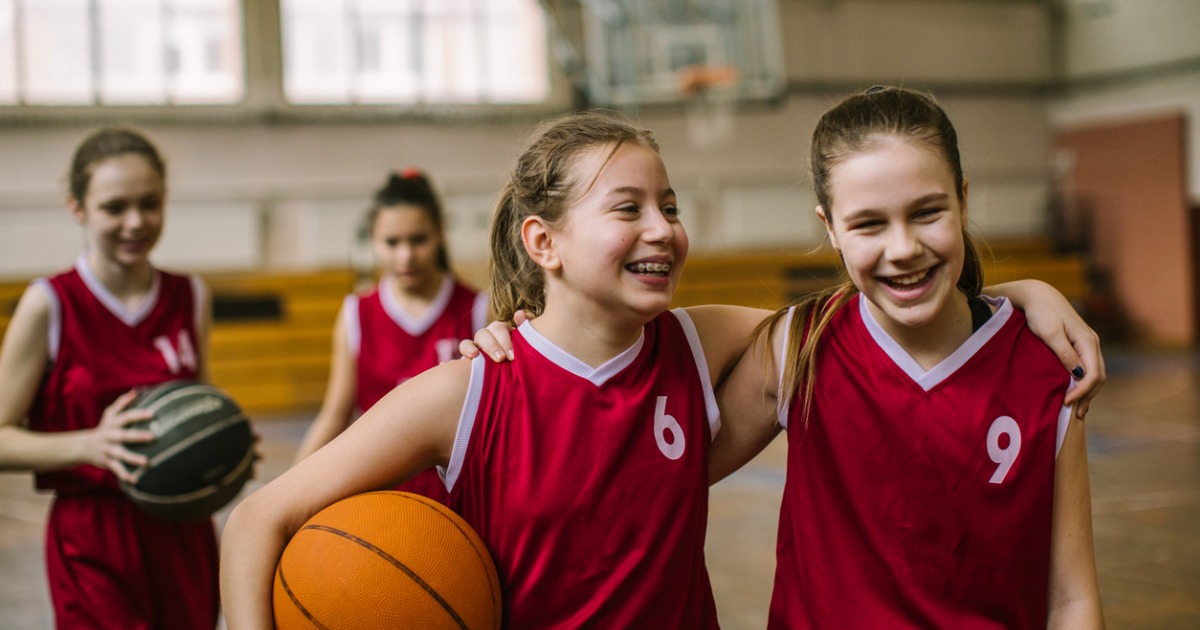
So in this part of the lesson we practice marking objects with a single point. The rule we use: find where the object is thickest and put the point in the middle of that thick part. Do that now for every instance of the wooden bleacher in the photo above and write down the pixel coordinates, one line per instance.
(271, 336)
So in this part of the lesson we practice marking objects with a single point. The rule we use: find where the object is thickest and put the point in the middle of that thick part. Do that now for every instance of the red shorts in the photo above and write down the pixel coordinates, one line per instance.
(111, 565)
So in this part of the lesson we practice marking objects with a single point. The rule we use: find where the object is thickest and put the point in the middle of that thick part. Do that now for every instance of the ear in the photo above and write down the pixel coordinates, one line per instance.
(539, 243)
(78, 212)
(821, 214)
(964, 202)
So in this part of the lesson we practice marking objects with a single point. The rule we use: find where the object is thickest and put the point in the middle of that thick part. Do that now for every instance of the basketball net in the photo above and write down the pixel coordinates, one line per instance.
(709, 98)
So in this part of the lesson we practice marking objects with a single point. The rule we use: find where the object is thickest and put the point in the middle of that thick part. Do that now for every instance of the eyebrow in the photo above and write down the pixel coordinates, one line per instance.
(634, 190)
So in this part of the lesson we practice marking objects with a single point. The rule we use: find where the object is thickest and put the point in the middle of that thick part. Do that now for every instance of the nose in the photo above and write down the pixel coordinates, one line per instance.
(133, 219)
(902, 243)
(658, 228)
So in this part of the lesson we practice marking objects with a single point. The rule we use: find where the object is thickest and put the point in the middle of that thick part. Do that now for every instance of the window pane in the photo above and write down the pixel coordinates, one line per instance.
(56, 52)
(515, 37)
(316, 51)
(8, 53)
(131, 52)
(126, 52)
(204, 52)
(414, 51)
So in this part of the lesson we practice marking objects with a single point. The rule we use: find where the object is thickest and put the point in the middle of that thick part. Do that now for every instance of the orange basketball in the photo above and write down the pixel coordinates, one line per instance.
(386, 560)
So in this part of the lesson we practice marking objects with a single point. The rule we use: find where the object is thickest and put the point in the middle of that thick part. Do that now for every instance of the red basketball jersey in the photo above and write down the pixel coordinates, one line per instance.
(921, 499)
(99, 350)
(589, 486)
(393, 346)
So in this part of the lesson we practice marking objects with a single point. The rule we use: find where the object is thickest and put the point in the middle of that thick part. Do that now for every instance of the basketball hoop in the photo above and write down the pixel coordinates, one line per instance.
(709, 98)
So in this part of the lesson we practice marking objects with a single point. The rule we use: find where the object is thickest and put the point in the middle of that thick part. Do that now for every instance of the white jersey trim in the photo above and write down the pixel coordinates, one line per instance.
(415, 325)
(710, 398)
(131, 317)
(54, 326)
(927, 380)
(480, 315)
(466, 424)
(352, 324)
(563, 359)
(785, 402)
(1064, 420)
(199, 299)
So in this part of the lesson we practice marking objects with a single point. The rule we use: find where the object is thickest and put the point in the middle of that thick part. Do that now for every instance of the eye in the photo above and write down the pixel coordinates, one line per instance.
(928, 214)
(670, 210)
(867, 225)
(631, 208)
(391, 242)
(420, 239)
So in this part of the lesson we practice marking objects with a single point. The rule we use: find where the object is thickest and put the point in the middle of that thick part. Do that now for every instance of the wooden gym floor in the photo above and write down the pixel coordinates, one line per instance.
(1144, 445)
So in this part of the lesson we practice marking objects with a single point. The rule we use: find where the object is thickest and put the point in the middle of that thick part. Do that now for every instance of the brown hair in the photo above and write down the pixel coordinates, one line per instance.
(409, 187)
(846, 129)
(105, 143)
(543, 183)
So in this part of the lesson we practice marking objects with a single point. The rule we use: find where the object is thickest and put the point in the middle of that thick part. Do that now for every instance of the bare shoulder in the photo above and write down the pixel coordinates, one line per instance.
(725, 333)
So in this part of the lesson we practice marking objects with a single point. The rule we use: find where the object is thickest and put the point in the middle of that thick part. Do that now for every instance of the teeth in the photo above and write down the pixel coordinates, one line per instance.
(910, 279)
(650, 267)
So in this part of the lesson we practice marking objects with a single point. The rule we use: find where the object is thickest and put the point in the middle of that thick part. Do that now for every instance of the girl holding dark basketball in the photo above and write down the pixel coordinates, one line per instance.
(411, 321)
(77, 347)
(582, 463)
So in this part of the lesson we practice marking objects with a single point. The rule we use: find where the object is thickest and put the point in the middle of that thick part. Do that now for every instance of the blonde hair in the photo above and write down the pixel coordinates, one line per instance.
(542, 184)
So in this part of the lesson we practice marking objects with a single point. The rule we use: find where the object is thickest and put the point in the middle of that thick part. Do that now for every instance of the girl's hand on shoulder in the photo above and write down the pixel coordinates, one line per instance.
(106, 444)
(495, 340)
(1052, 318)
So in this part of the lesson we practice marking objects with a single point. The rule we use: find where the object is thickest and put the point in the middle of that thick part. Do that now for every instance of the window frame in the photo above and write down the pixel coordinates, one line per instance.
(264, 102)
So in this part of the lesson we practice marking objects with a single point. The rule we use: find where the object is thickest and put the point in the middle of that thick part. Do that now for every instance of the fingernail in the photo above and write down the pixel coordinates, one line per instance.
(510, 355)
(498, 355)
(1078, 372)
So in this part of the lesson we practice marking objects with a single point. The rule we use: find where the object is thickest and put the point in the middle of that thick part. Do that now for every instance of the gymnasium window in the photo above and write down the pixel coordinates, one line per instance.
(414, 52)
(120, 52)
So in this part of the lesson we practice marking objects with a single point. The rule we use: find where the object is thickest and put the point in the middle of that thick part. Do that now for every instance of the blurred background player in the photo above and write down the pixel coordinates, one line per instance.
(410, 321)
(79, 345)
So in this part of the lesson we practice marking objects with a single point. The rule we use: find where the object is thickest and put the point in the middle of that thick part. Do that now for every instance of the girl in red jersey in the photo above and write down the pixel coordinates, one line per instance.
(411, 321)
(581, 463)
(77, 347)
(935, 477)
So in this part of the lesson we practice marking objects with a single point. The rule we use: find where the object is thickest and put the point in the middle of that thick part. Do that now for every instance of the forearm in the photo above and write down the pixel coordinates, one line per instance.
(1077, 614)
(327, 425)
(251, 544)
(22, 449)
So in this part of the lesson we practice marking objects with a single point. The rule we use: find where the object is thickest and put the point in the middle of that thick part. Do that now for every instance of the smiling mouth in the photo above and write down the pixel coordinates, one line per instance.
(910, 281)
(650, 269)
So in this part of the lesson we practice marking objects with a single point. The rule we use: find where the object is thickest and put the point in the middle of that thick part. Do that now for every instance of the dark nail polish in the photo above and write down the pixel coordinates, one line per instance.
(1078, 372)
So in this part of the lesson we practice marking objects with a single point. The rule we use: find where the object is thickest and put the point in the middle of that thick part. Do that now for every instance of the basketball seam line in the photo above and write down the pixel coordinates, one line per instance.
(399, 565)
(292, 596)
(436, 509)
(207, 490)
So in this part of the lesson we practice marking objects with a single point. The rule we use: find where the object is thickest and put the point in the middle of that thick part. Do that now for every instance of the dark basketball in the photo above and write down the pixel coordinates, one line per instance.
(202, 455)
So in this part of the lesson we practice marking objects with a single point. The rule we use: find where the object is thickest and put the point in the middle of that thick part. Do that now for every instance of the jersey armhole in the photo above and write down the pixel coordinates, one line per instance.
(1064, 421)
(785, 402)
(54, 326)
(351, 324)
(710, 398)
(466, 424)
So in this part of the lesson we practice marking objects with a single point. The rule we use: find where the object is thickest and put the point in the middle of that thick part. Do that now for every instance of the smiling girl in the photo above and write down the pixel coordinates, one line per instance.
(935, 477)
(78, 346)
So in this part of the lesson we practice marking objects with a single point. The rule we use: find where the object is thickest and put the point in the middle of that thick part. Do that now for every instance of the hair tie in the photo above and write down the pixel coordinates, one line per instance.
(410, 172)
